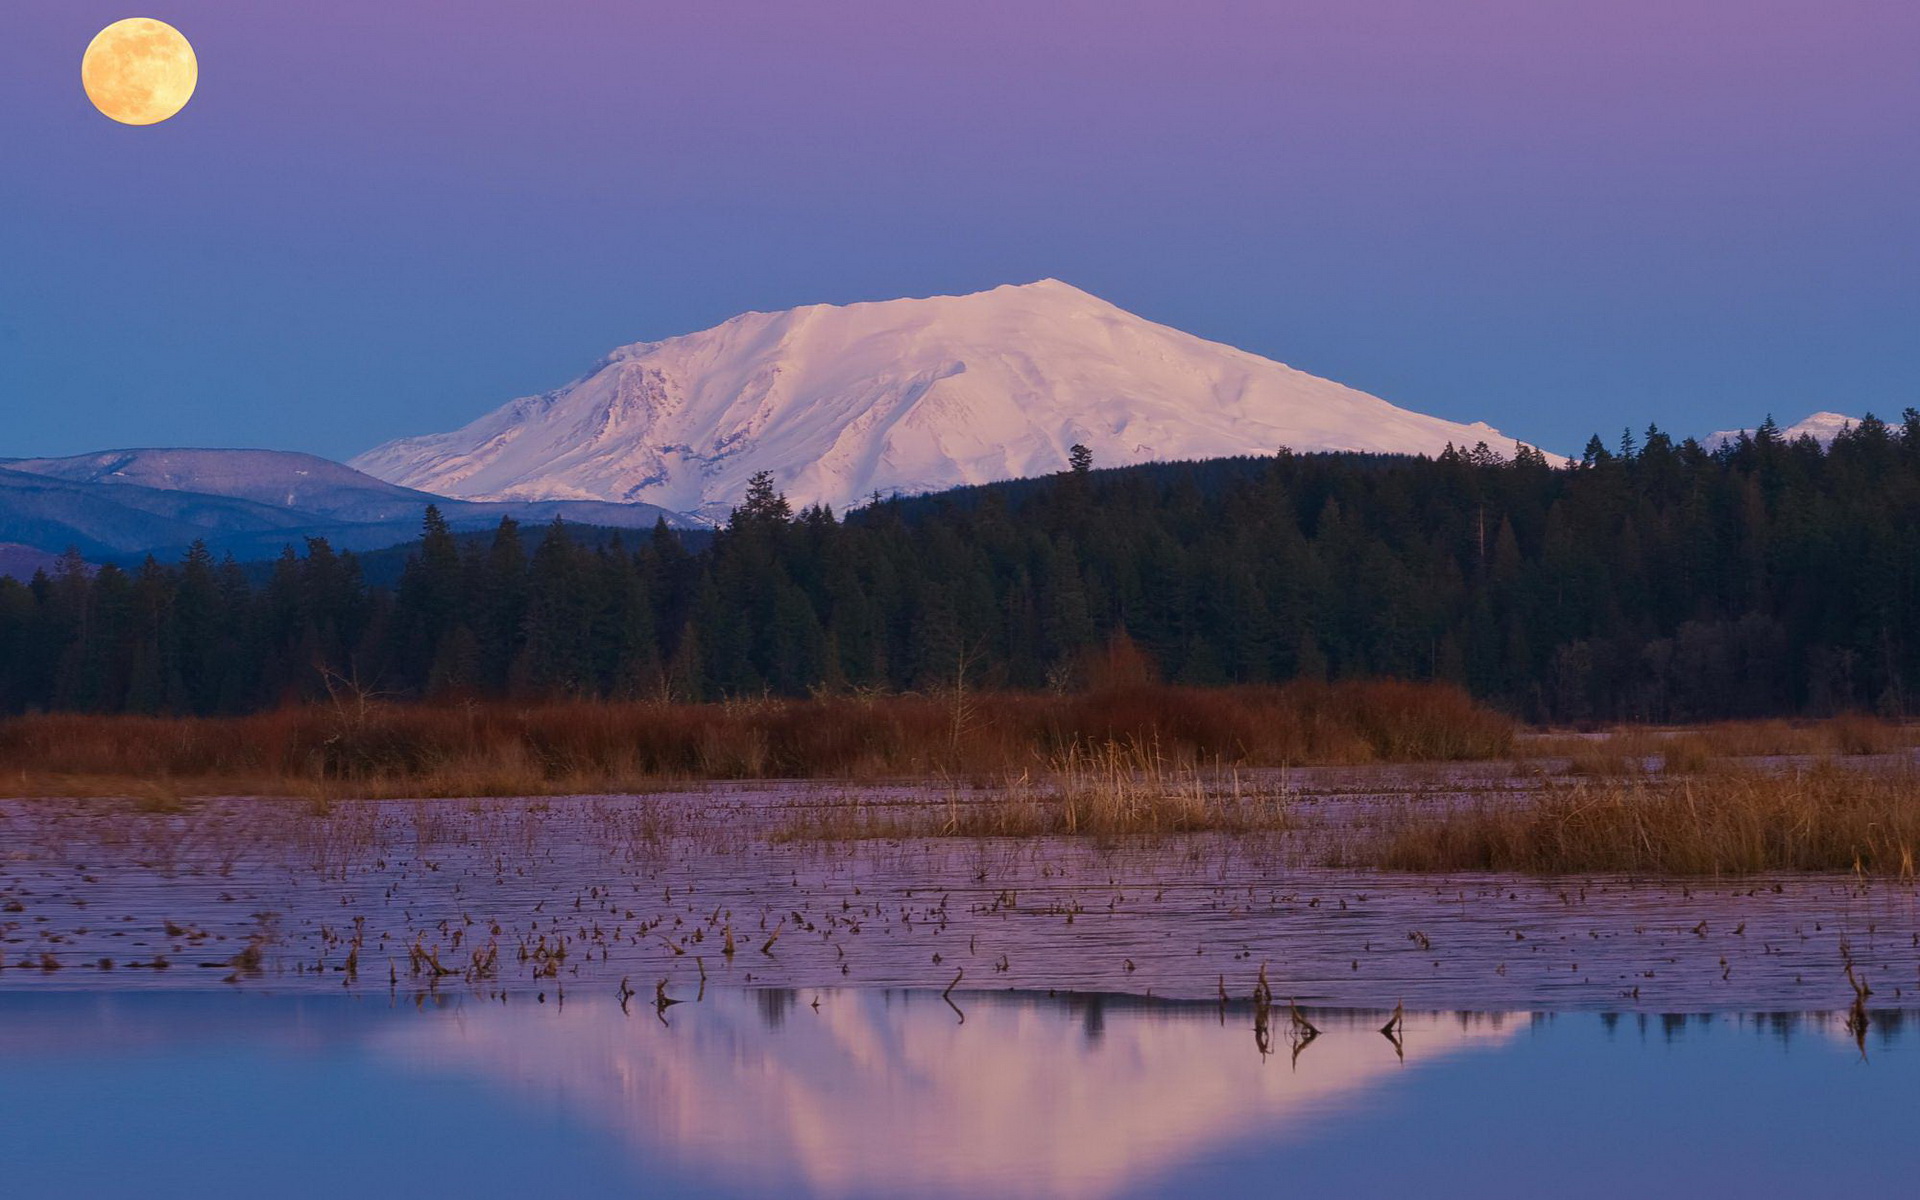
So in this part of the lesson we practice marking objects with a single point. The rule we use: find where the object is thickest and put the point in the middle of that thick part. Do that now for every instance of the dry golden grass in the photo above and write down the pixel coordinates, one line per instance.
(1109, 791)
(569, 747)
(1723, 823)
(1633, 750)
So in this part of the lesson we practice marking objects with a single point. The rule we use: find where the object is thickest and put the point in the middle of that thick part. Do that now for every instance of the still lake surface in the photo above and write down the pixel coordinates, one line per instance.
(885, 1093)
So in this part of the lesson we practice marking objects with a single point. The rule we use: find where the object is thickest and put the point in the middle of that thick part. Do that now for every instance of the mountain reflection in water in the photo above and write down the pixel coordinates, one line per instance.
(898, 1094)
(878, 1093)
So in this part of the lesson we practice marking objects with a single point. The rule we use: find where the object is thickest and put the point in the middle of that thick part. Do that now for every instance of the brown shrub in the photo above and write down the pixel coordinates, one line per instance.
(503, 749)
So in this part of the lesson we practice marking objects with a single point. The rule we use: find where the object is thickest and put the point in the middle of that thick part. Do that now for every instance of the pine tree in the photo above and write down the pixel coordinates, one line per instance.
(429, 602)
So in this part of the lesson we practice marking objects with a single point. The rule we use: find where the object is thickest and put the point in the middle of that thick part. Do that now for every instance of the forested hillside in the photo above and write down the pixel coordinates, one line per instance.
(1650, 581)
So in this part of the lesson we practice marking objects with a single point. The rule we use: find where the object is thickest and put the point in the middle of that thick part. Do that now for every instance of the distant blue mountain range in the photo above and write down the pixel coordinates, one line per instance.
(121, 505)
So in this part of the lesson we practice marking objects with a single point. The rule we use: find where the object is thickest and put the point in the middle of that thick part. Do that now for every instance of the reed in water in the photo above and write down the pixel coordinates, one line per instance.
(1729, 821)
(1112, 790)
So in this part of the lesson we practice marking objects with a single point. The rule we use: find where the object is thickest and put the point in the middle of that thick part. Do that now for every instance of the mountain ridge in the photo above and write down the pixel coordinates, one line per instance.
(280, 478)
(121, 504)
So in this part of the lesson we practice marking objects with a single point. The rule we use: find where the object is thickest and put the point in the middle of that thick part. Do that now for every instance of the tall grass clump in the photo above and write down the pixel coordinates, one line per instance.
(1108, 791)
(1727, 823)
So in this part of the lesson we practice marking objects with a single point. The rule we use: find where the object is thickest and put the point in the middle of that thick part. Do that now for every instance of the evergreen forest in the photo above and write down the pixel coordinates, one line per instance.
(1648, 581)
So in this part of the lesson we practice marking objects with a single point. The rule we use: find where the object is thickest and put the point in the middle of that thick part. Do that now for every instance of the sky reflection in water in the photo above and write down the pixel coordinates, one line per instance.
(889, 1094)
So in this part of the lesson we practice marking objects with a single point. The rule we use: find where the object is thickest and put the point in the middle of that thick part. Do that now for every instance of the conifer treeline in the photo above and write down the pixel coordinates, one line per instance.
(1656, 581)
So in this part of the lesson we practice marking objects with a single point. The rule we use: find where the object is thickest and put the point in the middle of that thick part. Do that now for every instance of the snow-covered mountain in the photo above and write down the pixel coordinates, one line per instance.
(898, 396)
(1822, 426)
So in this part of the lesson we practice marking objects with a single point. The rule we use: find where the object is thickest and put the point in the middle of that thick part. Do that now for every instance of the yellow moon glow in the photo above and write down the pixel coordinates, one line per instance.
(139, 71)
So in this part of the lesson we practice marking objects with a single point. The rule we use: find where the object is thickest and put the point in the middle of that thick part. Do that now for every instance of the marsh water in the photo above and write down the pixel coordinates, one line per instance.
(665, 995)
(878, 1093)
(576, 894)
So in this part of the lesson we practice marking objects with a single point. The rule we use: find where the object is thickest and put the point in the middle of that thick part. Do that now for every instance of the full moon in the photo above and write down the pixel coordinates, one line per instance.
(139, 71)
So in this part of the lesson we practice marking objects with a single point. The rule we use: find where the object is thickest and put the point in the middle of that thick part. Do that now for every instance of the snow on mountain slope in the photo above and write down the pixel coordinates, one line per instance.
(1823, 426)
(899, 396)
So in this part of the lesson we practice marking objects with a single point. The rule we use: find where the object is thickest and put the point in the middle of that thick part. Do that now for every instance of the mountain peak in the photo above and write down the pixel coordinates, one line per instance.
(1047, 286)
(908, 395)
(1049, 293)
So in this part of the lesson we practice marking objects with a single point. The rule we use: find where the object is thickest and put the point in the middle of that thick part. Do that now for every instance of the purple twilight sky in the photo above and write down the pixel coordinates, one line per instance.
(381, 217)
